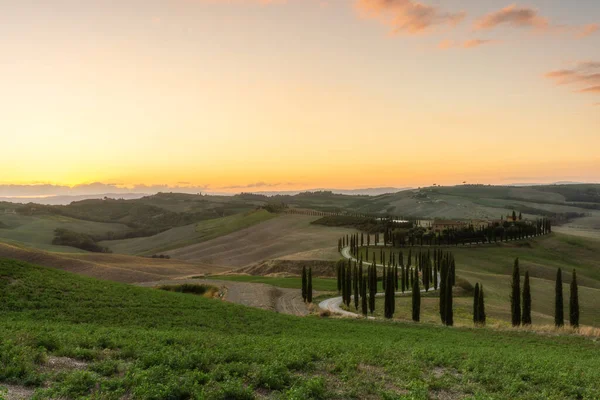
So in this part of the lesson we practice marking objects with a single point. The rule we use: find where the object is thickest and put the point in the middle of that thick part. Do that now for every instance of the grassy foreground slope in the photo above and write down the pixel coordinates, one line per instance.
(142, 343)
(189, 234)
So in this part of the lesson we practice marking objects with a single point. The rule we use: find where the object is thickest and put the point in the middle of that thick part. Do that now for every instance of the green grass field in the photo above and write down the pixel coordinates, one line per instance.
(319, 284)
(189, 234)
(492, 266)
(143, 343)
(38, 231)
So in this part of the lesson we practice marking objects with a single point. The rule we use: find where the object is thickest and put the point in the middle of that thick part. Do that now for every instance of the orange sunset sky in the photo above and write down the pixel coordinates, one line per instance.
(280, 95)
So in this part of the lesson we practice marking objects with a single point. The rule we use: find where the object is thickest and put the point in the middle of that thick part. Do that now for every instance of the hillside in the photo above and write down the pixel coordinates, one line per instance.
(277, 237)
(189, 234)
(67, 336)
(115, 267)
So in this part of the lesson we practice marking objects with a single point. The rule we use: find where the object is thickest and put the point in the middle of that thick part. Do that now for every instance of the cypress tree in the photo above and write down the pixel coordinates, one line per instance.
(559, 318)
(304, 283)
(515, 297)
(481, 307)
(476, 304)
(389, 298)
(448, 303)
(526, 317)
(574, 303)
(373, 289)
(363, 294)
(443, 294)
(339, 265)
(309, 289)
(402, 287)
(416, 302)
(356, 288)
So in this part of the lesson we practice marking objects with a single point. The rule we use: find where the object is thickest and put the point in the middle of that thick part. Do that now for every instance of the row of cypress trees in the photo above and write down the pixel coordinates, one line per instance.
(521, 312)
(353, 284)
(307, 290)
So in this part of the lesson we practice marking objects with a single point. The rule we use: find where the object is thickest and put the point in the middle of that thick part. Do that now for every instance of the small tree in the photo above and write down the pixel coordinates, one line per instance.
(526, 317)
(559, 318)
(574, 303)
(481, 307)
(515, 297)
(304, 284)
(309, 289)
(416, 301)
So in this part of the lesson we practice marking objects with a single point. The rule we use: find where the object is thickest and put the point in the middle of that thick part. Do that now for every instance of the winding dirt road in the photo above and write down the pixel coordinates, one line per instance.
(333, 305)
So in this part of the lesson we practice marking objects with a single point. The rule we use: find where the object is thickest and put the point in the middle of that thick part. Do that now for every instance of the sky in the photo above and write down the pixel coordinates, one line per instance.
(232, 95)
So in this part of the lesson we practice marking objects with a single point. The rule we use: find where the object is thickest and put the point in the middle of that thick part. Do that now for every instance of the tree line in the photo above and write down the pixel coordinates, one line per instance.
(419, 236)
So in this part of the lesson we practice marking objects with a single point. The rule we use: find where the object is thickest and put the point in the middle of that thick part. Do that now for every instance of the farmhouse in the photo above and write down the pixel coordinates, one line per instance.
(440, 225)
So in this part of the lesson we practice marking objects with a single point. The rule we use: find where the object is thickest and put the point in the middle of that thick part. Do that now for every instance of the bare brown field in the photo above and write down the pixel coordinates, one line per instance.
(275, 238)
(112, 267)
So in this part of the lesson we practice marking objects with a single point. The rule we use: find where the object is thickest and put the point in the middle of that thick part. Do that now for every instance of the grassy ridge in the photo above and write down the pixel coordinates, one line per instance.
(189, 234)
(151, 344)
(492, 266)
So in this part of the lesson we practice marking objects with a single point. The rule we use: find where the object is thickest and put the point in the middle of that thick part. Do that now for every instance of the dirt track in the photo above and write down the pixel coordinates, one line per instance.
(267, 297)
(278, 237)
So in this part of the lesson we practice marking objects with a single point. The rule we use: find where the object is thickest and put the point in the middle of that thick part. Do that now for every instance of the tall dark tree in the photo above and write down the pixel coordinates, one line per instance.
(340, 268)
(481, 307)
(390, 300)
(372, 289)
(448, 303)
(526, 317)
(574, 302)
(443, 279)
(304, 284)
(363, 296)
(356, 288)
(476, 304)
(416, 301)
(309, 289)
(559, 318)
(515, 296)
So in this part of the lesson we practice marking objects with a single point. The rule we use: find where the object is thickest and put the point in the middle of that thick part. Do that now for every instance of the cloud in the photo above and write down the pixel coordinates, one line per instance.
(518, 17)
(407, 16)
(593, 89)
(467, 44)
(252, 185)
(587, 30)
(585, 75)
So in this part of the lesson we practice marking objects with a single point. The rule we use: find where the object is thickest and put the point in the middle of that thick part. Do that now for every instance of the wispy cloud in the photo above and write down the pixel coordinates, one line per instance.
(529, 18)
(515, 16)
(587, 30)
(407, 17)
(585, 76)
(255, 185)
(593, 89)
(467, 44)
